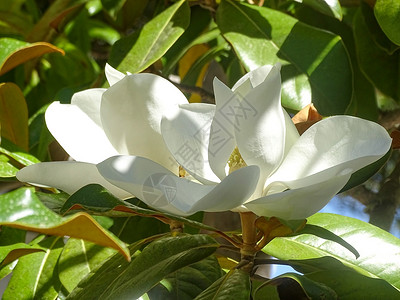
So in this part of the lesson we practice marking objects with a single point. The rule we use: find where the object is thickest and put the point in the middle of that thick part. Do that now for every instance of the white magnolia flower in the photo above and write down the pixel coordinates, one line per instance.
(248, 126)
(125, 120)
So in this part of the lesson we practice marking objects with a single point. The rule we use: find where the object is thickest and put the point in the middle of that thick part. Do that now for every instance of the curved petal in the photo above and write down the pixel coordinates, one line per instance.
(131, 113)
(159, 188)
(298, 203)
(186, 132)
(333, 146)
(252, 79)
(291, 135)
(78, 129)
(260, 129)
(113, 75)
(68, 176)
(222, 138)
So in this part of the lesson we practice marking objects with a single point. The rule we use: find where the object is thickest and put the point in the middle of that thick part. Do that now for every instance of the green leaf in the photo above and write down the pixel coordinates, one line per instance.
(10, 236)
(13, 115)
(19, 155)
(387, 14)
(22, 209)
(379, 250)
(134, 228)
(79, 258)
(375, 62)
(138, 51)
(7, 170)
(327, 7)
(33, 277)
(12, 252)
(188, 282)
(375, 31)
(14, 52)
(199, 20)
(350, 285)
(327, 235)
(316, 66)
(367, 172)
(234, 285)
(296, 286)
(157, 260)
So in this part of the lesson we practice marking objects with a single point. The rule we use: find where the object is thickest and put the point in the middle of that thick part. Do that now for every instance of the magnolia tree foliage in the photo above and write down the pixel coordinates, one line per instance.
(123, 122)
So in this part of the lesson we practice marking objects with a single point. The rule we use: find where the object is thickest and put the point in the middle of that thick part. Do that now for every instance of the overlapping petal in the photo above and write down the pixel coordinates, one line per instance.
(113, 75)
(161, 189)
(334, 146)
(185, 130)
(298, 203)
(78, 129)
(131, 113)
(68, 176)
(260, 125)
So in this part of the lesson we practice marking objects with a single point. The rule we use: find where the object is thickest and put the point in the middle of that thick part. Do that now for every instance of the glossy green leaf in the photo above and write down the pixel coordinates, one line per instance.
(379, 250)
(387, 14)
(234, 285)
(327, 235)
(7, 170)
(375, 62)
(13, 115)
(8, 237)
(134, 228)
(188, 282)
(19, 155)
(193, 35)
(138, 51)
(375, 30)
(53, 202)
(365, 173)
(79, 258)
(14, 52)
(330, 8)
(350, 285)
(54, 16)
(33, 277)
(12, 252)
(157, 260)
(22, 209)
(316, 66)
(296, 286)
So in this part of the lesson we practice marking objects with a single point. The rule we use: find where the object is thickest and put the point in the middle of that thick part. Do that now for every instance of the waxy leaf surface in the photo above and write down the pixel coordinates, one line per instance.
(23, 209)
(379, 250)
(315, 63)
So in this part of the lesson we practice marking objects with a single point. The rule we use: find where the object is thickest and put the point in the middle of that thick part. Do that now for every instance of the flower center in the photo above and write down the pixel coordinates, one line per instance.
(235, 161)
(182, 172)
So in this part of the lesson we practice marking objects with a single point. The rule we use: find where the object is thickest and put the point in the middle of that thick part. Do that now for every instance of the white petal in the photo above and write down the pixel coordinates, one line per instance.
(113, 75)
(291, 135)
(333, 146)
(298, 203)
(68, 176)
(78, 131)
(252, 79)
(222, 141)
(260, 129)
(186, 132)
(161, 189)
(131, 112)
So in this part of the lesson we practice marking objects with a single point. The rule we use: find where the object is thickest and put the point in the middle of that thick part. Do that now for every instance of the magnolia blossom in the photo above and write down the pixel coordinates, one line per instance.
(125, 120)
(248, 126)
